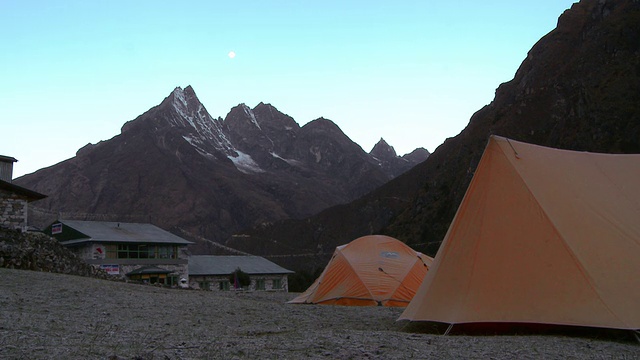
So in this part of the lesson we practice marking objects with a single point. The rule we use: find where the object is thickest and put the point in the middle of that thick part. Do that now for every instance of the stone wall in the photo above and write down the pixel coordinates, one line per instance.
(13, 211)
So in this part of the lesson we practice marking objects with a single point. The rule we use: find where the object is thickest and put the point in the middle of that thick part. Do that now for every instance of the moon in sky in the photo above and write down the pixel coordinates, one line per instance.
(231, 54)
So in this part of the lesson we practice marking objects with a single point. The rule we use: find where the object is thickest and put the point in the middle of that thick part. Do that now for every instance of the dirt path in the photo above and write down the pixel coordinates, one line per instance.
(53, 316)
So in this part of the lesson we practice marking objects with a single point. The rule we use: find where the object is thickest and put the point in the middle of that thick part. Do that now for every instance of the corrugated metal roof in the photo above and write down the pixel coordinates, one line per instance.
(225, 265)
(123, 232)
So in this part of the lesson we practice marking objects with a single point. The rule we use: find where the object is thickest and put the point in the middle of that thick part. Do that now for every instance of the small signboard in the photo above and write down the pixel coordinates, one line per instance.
(56, 229)
(111, 269)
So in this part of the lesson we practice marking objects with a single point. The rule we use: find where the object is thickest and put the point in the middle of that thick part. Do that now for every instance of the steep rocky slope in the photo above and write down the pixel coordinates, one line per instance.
(578, 89)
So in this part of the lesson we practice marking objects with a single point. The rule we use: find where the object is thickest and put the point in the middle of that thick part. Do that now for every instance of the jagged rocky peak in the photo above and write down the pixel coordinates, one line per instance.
(417, 156)
(187, 105)
(181, 98)
(185, 98)
(241, 116)
(262, 117)
(382, 150)
(183, 109)
(268, 115)
(322, 125)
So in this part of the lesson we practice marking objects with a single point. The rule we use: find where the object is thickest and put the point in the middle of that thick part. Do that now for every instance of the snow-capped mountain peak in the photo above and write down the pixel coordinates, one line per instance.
(200, 129)
(256, 140)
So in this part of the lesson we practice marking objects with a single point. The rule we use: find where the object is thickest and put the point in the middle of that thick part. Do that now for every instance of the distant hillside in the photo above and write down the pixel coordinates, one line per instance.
(181, 169)
(578, 89)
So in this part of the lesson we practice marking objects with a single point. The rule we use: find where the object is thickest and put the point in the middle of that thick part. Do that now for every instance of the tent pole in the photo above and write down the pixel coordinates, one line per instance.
(512, 148)
(448, 329)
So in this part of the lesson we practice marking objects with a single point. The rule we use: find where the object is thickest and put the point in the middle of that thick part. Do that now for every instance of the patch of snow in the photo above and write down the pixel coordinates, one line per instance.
(178, 94)
(316, 151)
(376, 159)
(244, 163)
(196, 145)
(250, 113)
(204, 131)
(288, 161)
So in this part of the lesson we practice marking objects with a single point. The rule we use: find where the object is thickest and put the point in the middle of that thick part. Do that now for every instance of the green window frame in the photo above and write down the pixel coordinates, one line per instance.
(276, 284)
(168, 252)
(260, 284)
(142, 251)
(224, 285)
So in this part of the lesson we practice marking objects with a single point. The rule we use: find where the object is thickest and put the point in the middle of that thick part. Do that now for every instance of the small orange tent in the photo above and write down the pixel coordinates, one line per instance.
(542, 236)
(369, 271)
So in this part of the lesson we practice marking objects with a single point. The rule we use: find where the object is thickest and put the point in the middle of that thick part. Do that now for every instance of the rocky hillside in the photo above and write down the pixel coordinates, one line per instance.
(179, 168)
(578, 89)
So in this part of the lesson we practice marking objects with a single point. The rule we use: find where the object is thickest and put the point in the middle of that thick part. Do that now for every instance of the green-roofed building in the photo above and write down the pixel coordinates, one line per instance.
(136, 251)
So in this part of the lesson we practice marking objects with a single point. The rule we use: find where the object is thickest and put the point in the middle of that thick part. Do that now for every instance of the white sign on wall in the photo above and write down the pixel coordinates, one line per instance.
(111, 269)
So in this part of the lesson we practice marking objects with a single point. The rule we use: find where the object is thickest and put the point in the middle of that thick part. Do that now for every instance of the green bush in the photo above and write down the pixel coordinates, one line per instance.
(242, 277)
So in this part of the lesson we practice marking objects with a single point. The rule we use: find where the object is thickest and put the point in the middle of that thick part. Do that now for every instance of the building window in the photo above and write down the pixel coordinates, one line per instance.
(152, 252)
(147, 251)
(172, 280)
(224, 285)
(260, 284)
(168, 252)
(276, 284)
(204, 285)
(141, 251)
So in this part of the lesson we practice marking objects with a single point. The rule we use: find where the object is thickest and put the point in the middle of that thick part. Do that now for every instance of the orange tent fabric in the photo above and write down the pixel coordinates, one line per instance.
(542, 236)
(369, 271)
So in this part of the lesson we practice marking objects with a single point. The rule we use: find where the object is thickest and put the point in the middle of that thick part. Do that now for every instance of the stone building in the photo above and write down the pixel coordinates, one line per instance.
(134, 251)
(208, 272)
(14, 199)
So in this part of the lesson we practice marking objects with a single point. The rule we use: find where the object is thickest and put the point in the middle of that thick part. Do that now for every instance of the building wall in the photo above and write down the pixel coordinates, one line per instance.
(198, 281)
(6, 171)
(13, 211)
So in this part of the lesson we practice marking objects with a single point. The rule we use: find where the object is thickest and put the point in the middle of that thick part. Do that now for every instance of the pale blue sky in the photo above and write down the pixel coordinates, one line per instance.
(412, 72)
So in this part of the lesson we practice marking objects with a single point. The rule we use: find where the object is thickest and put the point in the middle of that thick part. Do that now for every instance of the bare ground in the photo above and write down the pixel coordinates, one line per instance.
(54, 316)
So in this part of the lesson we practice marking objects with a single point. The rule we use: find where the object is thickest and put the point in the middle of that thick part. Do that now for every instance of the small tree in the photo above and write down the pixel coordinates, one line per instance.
(239, 278)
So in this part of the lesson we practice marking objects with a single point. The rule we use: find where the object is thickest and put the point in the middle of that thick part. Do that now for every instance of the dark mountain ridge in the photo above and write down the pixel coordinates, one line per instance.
(178, 167)
(578, 89)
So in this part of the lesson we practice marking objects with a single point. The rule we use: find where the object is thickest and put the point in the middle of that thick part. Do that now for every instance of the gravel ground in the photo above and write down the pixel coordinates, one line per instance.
(55, 316)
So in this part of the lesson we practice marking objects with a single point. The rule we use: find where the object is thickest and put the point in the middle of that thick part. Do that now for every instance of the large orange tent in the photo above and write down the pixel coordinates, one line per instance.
(542, 236)
(371, 270)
